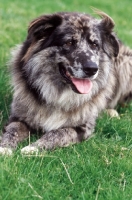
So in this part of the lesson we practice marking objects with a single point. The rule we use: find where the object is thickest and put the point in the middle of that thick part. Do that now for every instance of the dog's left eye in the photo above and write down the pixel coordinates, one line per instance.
(94, 45)
(68, 43)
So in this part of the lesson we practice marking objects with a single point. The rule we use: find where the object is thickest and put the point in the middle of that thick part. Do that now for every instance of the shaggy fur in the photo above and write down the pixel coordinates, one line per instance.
(123, 72)
(65, 73)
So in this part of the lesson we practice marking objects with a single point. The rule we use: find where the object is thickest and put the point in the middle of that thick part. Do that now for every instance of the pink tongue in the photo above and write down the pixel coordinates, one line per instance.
(82, 85)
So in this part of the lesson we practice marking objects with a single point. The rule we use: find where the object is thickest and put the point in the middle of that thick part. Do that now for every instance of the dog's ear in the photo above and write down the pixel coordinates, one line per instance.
(110, 43)
(43, 26)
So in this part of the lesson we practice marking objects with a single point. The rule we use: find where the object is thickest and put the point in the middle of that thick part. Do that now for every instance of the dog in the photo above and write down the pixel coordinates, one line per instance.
(64, 74)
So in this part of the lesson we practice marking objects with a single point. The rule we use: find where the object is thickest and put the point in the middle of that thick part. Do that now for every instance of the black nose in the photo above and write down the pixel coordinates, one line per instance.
(90, 68)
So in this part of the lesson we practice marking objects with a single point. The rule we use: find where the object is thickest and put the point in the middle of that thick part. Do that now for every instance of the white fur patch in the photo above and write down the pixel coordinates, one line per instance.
(94, 76)
(112, 113)
(5, 151)
(29, 150)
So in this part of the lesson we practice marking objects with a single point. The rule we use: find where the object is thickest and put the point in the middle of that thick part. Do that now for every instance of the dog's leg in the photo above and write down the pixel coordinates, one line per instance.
(112, 113)
(59, 138)
(14, 133)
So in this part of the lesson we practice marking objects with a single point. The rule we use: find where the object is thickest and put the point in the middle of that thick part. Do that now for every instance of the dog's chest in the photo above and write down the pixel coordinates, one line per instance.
(50, 119)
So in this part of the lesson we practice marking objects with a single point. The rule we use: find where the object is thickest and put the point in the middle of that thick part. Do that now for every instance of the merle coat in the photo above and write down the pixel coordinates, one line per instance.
(63, 76)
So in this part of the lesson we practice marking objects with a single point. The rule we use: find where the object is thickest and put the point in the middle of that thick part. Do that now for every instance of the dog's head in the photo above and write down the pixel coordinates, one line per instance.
(73, 44)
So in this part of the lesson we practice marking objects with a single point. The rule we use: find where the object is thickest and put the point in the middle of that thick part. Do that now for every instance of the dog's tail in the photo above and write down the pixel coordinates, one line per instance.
(106, 18)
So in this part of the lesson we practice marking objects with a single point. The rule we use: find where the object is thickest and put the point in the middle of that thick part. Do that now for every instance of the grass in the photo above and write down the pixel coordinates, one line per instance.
(98, 169)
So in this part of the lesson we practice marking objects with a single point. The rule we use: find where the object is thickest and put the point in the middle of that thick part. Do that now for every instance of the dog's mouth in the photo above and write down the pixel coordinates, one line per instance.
(78, 85)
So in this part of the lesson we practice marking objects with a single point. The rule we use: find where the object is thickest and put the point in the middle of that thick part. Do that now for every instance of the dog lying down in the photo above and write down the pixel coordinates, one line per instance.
(70, 67)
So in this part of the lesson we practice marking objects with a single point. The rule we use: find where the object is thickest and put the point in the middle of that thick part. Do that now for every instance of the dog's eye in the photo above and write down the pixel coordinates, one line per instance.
(68, 43)
(93, 44)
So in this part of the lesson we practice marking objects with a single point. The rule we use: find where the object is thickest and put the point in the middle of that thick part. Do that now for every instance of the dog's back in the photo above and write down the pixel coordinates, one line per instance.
(123, 73)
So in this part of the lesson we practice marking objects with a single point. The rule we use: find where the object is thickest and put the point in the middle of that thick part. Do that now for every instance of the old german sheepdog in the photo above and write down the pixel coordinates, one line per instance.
(70, 67)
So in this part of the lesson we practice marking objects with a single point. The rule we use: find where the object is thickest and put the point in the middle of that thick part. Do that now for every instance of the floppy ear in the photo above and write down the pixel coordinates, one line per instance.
(43, 26)
(110, 43)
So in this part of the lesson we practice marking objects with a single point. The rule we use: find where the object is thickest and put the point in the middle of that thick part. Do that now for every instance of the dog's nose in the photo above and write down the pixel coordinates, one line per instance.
(90, 68)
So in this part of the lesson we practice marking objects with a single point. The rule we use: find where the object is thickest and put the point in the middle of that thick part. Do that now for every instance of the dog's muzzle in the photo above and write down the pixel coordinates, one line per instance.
(90, 68)
(79, 85)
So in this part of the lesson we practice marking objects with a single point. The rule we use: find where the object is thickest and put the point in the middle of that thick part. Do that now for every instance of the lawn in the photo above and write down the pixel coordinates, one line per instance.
(98, 169)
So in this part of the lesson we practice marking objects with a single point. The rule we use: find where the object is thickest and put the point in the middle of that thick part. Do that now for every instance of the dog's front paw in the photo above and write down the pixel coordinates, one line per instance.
(5, 151)
(113, 113)
(29, 150)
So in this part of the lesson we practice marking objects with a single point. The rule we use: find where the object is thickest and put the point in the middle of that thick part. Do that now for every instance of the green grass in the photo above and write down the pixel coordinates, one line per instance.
(98, 169)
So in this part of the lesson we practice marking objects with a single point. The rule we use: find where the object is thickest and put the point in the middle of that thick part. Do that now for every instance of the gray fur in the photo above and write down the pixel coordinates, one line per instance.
(123, 72)
(42, 98)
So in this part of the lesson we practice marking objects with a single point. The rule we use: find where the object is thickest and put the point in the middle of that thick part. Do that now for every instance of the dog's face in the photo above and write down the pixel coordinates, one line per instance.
(68, 49)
